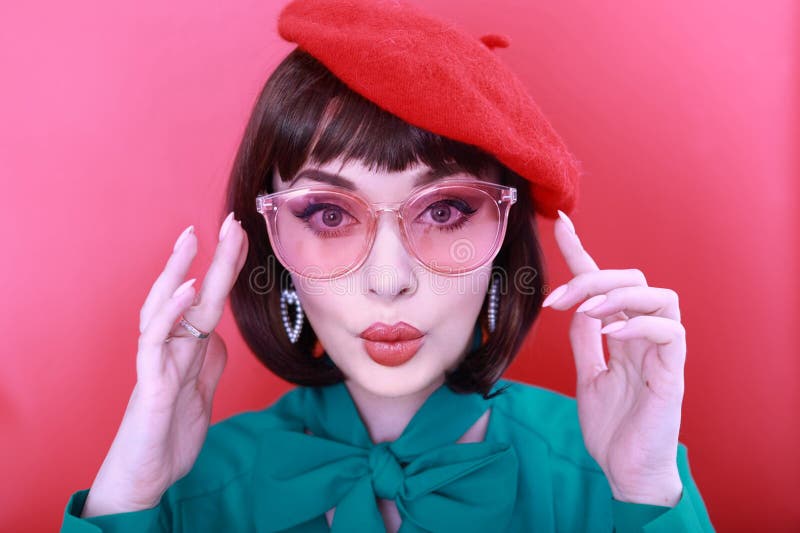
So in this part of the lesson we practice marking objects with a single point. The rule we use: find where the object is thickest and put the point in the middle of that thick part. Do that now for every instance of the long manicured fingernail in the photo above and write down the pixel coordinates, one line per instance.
(183, 288)
(614, 326)
(567, 221)
(591, 303)
(182, 237)
(555, 295)
(225, 226)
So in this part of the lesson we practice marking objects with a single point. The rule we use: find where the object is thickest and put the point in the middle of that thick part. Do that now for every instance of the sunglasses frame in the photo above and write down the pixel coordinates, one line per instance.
(503, 196)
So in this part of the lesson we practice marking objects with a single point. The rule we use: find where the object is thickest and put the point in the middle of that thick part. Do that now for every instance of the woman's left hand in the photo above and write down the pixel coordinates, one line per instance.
(629, 408)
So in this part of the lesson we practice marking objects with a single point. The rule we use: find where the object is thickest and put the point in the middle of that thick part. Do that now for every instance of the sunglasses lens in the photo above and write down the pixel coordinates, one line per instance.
(322, 233)
(454, 228)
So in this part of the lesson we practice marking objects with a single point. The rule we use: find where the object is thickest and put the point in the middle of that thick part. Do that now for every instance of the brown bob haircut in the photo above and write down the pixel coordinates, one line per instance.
(305, 114)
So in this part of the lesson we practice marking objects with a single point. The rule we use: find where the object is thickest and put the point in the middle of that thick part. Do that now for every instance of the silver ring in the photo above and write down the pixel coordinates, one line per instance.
(193, 330)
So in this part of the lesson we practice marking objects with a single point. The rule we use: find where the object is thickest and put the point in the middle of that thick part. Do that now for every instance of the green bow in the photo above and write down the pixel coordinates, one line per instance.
(438, 485)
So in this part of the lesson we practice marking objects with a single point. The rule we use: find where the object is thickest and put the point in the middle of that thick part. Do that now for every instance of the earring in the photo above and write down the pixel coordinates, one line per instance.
(494, 304)
(289, 296)
(481, 333)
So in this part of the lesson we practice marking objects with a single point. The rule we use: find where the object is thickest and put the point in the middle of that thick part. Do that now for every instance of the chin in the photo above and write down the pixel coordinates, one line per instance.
(395, 381)
(400, 388)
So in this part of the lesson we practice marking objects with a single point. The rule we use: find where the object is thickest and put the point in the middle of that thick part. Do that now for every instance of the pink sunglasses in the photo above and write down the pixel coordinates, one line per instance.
(451, 227)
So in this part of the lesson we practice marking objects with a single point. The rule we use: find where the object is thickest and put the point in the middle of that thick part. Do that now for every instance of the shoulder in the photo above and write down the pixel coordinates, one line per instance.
(231, 445)
(536, 413)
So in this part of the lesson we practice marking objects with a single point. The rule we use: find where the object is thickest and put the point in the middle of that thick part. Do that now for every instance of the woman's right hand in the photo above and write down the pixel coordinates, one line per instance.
(169, 411)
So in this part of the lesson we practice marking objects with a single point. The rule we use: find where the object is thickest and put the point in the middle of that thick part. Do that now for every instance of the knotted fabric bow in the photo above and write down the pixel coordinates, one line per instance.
(437, 484)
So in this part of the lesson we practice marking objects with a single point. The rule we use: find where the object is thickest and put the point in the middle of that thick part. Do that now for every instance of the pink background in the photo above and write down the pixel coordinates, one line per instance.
(119, 125)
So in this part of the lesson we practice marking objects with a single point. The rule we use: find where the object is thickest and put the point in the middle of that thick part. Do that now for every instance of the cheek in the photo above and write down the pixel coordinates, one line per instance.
(458, 305)
(319, 307)
(463, 293)
(329, 310)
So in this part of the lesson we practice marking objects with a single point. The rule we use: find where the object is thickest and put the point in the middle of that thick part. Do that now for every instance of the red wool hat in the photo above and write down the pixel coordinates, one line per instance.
(434, 75)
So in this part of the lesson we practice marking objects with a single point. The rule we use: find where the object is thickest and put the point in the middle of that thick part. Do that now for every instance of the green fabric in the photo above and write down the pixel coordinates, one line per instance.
(443, 485)
(260, 471)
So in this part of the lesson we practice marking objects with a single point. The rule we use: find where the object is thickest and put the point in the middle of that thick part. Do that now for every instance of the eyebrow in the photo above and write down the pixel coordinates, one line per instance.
(422, 178)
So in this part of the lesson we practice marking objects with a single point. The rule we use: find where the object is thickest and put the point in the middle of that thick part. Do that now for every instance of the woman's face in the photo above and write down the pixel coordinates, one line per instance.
(391, 287)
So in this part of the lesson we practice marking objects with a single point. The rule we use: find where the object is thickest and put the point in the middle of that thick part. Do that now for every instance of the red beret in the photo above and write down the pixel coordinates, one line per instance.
(434, 75)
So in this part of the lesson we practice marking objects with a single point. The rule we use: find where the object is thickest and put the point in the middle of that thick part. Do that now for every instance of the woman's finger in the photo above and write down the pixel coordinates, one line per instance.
(584, 332)
(219, 279)
(151, 340)
(588, 284)
(245, 248)
(582, 265)
(634, 301)
(171, 277)
(213, 366)
(587, 348)
(577, 258)
(668, 335)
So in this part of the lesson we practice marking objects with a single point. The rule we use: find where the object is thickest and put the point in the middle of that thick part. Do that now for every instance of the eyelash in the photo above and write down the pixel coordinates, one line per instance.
(462, 207)
(311, 209)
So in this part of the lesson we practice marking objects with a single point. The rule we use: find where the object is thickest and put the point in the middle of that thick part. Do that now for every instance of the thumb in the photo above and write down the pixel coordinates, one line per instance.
(213, 365)
(587, 347)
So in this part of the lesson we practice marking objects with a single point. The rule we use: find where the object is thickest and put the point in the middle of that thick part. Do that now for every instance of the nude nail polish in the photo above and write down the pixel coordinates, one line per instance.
(555, 295)
(225, 226)
(182, 237)
(591, 303)
(183, 288)
(614, 326)
(567, 221)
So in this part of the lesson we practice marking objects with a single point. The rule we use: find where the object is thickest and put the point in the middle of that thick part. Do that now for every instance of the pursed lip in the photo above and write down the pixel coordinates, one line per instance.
(380, 332)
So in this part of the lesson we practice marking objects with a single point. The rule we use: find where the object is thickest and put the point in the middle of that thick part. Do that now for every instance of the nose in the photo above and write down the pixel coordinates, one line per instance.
(389, 269)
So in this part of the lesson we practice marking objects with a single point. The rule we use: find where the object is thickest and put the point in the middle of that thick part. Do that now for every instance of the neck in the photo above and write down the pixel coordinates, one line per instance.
(386, 417)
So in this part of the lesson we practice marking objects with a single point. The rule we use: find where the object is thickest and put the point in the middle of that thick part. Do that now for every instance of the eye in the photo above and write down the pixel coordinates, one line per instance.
(440, 212)
(331, 216)
(449, 213)
(326, 219)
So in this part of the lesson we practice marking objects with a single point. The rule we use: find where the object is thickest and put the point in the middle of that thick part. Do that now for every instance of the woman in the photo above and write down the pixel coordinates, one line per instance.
(401, 293)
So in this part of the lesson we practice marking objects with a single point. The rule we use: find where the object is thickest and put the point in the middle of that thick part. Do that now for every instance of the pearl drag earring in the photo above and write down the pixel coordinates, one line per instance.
(289, 296)
(494, 304)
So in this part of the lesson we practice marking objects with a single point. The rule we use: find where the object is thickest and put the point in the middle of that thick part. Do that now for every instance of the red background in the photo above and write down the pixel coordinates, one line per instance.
(120, 124)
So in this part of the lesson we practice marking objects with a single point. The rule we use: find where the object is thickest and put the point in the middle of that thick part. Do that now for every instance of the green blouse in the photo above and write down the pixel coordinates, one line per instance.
(261, 471)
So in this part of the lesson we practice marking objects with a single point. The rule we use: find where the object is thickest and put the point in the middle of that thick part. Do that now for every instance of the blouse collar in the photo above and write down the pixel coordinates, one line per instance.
(437, 484)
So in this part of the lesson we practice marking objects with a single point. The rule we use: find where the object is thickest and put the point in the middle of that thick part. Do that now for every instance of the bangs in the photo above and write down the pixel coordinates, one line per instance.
(323, 120)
